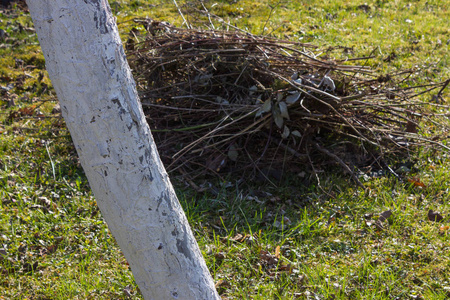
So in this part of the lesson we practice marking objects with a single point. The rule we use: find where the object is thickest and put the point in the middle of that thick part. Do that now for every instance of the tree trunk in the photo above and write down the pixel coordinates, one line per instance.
(88, 68)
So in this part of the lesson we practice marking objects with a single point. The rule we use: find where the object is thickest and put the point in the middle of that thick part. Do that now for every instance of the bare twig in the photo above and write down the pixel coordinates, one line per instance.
(182, 16)
(272, 9)
(341, 163)
(206, 91)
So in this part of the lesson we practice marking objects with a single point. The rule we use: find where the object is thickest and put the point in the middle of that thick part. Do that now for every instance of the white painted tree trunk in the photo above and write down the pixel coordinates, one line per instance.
(87, 66)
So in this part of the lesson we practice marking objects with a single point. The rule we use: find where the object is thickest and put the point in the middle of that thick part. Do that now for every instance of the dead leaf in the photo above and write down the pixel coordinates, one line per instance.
(266, 107)
(411, 127)
(44, 201)
(385, 215)
(378, 245)
(416, 182)
(27, 267)
(274, 199)
(127, 291)
(296, 133)
(287, 268)
(444, 229)
(293, 98)
(283, 223)
(285, 133)
(434, 216)
(3, 254)
(233, 153)
(368, 216)
(216, 162)
(220, 255)
(250, 239)
(267, 258)
(277, 252)
(222, 283)
(277, 117)
(279, 96)
(379, 225)
(56, 109)
(284, 110)
(239, 238)
(23, 248)
(52, 248)
(13, 116)
(302, 279)
(27, 111)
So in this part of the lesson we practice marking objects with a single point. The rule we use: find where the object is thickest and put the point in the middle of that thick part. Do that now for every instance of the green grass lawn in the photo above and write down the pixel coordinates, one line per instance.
(293, 241)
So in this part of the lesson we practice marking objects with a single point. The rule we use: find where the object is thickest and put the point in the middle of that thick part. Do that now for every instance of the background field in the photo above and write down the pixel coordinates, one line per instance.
(293, 241)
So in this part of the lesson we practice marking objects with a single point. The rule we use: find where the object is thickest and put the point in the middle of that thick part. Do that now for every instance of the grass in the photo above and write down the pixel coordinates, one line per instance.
(293, 241)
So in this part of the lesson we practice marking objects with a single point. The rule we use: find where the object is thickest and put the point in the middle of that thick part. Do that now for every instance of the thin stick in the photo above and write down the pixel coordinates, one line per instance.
(182, 16)
(443, 87)
(191, 145)
(340, 161)
(272, 9)
(51, 160)
(209, 16)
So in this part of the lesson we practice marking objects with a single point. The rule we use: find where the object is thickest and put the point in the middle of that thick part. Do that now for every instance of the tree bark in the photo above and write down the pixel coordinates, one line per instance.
(88, 68)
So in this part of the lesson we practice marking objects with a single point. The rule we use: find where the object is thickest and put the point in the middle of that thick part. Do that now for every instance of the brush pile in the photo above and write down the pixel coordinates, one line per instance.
(235, 102)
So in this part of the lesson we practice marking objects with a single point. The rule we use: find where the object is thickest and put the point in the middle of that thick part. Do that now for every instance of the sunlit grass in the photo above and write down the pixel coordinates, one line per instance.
(294, 241)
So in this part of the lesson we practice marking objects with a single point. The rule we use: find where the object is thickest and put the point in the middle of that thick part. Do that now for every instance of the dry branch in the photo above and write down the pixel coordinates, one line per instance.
(214, 97)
